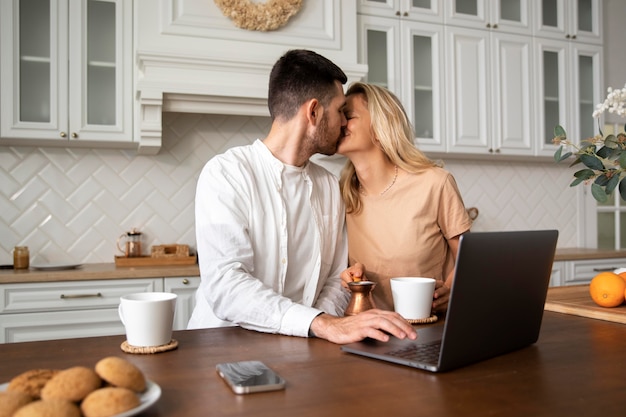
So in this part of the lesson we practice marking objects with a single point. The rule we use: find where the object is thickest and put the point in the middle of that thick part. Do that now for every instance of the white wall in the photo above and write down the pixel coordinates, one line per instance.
(70, 205)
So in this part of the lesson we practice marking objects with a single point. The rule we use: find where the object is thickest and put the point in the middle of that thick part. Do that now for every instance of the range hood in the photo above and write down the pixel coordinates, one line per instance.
(191, 59)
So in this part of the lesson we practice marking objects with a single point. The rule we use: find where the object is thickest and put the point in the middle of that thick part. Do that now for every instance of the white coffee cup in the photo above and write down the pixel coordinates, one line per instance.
(148, 317)
(413, 296)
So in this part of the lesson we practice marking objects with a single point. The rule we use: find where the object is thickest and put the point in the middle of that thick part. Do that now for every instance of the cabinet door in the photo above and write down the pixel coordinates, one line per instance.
(422, 58)
(378, 48)
(512, 121)
(579, 20)
(468, 74)
(422, 10)
(100, 56)
(185, 288)
(586, 86)
(34, 69)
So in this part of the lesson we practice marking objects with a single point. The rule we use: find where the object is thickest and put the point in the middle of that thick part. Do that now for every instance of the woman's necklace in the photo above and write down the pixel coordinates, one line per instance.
(393, 181)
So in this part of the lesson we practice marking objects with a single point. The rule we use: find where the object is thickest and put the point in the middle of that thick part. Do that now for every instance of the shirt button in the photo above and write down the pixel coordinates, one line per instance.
(283, 261)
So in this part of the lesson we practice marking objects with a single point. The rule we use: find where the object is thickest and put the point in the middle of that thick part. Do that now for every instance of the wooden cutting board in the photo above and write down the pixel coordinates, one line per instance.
(577, 301)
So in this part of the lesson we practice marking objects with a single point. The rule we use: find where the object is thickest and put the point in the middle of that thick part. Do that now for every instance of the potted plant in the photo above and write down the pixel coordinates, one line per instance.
(603, 157)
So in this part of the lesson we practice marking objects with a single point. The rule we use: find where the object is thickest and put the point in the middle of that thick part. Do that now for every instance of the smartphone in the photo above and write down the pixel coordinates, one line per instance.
(250, 376)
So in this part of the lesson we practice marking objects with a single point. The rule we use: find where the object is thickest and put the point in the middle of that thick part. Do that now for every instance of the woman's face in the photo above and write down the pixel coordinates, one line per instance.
(358, 132)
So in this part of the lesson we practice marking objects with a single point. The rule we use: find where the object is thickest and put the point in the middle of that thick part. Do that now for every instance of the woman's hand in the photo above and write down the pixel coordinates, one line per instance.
(441, 296)
(354, 273)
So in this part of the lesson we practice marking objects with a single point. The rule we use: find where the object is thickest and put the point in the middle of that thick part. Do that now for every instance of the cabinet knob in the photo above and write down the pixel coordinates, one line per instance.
(63, 134)
(398, 13)
(488, 25)
(495, 26)
(567, 36)
(573, 36)
(185, 281)
(405, 14)
(74, 135)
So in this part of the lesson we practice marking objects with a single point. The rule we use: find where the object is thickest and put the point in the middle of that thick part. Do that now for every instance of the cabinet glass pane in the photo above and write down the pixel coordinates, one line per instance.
(511, 10)
(585, 20)
(423, 86)
(606, 231)
(467, 7)
(34, 61)
(421, 4)
(550, 14)
(622, 231)
(585, 92)
(551, 93)
(377, 57)
(101, 64)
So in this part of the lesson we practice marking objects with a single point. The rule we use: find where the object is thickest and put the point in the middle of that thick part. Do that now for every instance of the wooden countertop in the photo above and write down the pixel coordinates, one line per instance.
(573, 370)
(98, 271)
(574, 254)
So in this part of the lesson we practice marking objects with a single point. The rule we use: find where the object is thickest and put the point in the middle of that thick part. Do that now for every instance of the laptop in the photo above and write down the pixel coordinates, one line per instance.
(496, 304)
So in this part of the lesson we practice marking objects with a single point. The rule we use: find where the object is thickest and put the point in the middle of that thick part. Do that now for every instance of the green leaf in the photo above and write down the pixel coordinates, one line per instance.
(557, 154)
(576, 161)
(622, 189)
(592, 162)
(576, 182)
(598, 193)
(610, 142)
(613, 182)
(584, 174)
(565, 156)
(559, 131)
(602, 180)
(622, 160)
(604, 152)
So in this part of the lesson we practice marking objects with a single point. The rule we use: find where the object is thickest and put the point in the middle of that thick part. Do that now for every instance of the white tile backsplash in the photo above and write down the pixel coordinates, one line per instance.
(71, 205)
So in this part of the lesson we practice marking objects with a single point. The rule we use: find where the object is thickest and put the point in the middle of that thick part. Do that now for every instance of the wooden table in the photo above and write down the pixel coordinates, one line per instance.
(577, 368)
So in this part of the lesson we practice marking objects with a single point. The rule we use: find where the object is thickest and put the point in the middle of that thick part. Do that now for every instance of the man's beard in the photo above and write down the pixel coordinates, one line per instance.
(320, 141)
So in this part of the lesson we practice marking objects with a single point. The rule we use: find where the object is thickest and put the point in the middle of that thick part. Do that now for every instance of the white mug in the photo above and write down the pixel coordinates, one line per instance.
(413, 296)
(148, 317)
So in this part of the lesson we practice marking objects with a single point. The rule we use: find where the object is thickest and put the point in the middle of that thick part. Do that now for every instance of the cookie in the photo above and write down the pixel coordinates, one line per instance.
(49, 408)
(12, 401)
(31, 382)
(109, 401)
(121, 373)
(72, 384)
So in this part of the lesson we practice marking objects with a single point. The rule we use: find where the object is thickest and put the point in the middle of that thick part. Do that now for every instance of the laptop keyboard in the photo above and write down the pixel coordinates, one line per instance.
(419, 352)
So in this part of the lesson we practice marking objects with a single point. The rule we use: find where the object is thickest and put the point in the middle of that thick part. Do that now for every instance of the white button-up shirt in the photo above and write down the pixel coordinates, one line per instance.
(241, 232)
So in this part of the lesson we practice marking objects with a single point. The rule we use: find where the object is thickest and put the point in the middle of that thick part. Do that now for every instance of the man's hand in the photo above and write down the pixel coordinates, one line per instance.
(441, 296)
(354, 273)
(376, 324)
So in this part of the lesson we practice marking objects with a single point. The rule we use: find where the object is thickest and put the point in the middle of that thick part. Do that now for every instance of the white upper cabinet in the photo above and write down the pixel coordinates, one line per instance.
(579, 20)
(421, 10)
(512, 16)
(66, 71)
(406, 56)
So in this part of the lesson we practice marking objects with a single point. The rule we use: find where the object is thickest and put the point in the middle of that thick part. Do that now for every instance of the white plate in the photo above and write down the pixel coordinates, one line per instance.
(55, 267)
(147, 398)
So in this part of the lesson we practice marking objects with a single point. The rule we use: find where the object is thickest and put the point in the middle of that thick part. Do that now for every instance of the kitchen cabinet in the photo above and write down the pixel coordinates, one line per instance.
(67, 309)
(489, 98)
(185, 288)
(569, 20)
(511, 16)
(419, 10)
(66, 72)
(568, 85)
(578, 272)
(405, 56)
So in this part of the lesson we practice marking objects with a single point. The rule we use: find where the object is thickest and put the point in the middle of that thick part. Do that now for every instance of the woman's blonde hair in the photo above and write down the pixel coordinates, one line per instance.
(394, 134)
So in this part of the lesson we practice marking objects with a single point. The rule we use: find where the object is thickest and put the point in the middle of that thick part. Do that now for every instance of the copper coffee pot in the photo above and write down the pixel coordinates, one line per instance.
(361, 297)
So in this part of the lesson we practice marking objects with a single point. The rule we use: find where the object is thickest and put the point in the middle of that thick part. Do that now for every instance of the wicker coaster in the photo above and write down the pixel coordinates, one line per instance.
(430, 319)
(173, 344)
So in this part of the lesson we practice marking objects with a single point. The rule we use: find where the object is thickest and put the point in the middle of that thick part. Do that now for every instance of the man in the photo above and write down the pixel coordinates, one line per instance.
(270, 224)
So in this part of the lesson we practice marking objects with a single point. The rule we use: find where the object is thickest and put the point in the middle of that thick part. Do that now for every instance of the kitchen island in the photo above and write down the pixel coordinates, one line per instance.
(575, 369)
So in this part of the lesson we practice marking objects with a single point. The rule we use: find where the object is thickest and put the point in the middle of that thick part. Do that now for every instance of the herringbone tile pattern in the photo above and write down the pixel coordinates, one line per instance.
(70, 205)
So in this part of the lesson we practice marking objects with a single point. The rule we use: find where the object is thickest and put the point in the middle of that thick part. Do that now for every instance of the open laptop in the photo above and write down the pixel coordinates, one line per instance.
(496, 304)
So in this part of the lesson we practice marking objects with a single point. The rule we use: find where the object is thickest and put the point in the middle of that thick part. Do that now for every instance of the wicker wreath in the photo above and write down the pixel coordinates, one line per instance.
(269, 15)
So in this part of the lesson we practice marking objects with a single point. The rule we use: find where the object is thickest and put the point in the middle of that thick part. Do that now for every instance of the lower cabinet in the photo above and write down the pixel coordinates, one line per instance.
(582, 271)
(70, 309)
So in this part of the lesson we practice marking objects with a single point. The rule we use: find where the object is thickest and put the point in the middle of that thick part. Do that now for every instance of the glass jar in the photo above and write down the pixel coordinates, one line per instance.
(21, 257)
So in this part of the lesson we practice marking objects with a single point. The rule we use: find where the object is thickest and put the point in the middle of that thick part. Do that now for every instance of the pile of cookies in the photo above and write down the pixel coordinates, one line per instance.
(113, 386)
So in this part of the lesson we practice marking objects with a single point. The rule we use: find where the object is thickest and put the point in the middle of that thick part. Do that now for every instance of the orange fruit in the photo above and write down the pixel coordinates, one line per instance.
(607, 289)
(623, 275)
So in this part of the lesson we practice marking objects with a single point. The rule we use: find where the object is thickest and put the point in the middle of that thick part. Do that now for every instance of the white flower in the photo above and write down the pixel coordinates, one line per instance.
(615, 103)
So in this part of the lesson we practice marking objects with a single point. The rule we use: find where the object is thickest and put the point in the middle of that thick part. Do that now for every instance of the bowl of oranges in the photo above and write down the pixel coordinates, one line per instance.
(608, 289)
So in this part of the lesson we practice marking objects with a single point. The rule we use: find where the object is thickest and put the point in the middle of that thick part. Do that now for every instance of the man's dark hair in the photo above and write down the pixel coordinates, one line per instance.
(300, 75)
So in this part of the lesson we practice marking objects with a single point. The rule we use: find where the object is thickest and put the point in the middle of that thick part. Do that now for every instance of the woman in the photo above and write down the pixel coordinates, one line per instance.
(404, 213)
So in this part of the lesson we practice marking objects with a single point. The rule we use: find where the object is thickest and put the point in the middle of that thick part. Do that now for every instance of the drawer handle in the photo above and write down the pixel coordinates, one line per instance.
(185, 281)
(63, 296)
(609, 268)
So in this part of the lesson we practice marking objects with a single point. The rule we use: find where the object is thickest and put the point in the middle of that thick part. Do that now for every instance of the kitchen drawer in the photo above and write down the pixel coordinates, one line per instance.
(27, 327)
(581, 272)
(70, 295)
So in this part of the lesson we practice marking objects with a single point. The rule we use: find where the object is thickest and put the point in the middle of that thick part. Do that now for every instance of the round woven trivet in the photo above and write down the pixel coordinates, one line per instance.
(430, 319)
(173, 344)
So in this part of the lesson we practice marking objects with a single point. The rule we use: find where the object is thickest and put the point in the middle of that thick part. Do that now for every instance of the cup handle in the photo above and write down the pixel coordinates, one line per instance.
(118, 244)
(119, 313)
